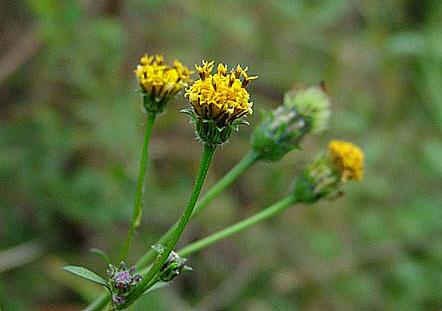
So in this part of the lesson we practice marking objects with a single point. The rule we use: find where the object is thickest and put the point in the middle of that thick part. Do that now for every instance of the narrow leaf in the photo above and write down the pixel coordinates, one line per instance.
(87, 274)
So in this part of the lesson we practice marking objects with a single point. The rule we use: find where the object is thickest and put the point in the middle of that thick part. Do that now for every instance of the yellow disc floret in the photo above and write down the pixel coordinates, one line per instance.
(160, 80)
(221, 97)
(348, 158)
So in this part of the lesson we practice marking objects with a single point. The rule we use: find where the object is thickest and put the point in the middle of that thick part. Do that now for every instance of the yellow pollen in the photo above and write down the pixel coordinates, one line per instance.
(221, 97)
(160, 80)
(348, 158)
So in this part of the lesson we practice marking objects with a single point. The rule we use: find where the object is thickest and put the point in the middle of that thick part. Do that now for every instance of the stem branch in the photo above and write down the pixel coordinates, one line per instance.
(265, 214)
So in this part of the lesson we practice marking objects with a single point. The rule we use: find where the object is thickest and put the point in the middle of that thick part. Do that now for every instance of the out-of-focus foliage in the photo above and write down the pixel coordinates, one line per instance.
(71, 131)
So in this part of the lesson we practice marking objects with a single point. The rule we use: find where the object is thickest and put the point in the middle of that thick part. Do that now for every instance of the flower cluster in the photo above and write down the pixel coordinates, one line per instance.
(323, 177)
(219, 101)
(159, 81)
(122, 281)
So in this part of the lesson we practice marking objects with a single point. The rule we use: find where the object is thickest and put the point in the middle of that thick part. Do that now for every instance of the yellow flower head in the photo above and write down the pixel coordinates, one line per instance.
(160, 80)
(348, 158)
(221, 97)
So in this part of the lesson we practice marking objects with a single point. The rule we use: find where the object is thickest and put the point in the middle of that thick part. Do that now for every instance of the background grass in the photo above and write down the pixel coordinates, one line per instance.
(71, 133)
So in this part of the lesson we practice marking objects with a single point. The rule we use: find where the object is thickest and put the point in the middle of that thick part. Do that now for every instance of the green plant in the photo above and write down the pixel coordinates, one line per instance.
(219, 103)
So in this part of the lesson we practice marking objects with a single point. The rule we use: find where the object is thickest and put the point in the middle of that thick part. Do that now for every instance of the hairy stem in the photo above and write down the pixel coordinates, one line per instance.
(138, 206)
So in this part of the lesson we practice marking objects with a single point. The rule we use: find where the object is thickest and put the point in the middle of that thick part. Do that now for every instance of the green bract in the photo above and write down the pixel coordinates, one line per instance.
(312, 103)
(318, 180)
(209, 132)
(280, 131)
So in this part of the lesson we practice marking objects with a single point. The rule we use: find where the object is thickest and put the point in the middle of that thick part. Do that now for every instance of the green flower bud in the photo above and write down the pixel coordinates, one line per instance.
(313, 104)
(280, 131)
(317, 181)
(173, 267)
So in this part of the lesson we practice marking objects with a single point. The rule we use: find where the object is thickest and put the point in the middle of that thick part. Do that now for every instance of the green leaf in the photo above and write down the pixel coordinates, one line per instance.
(86, 274)
(98, 252)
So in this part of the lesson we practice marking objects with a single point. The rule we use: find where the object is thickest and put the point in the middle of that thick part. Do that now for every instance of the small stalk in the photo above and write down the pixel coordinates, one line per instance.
(138, 206)
(247, 161)
(242, 225)
(206, 158)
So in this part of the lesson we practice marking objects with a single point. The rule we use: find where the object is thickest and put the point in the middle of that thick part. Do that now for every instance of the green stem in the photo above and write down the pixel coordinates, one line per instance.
(266, 213)
(242, 166)
(242, 225)
(137, 212)
(206, 158)
(246, 162)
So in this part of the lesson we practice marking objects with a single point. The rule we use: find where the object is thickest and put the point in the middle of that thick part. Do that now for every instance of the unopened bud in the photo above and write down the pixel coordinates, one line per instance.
(313, 104)
(173, 267)
(280, 132)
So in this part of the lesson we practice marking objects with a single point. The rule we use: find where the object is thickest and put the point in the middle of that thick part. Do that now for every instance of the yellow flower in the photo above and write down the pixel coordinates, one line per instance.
(159, 80)
(221, 97)
(324, 176)
(348, 158)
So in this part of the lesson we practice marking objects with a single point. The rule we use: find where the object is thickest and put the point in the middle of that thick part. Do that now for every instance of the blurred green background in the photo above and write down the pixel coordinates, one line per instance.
(71, 129)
